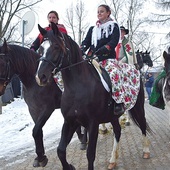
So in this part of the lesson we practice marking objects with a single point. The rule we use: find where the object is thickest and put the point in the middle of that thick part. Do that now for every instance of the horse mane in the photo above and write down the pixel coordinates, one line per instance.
(23, 59)
(64, 40)
(139, 59)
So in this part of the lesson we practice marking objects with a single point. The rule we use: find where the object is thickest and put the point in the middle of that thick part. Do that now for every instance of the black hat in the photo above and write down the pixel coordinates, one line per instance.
(123, 28)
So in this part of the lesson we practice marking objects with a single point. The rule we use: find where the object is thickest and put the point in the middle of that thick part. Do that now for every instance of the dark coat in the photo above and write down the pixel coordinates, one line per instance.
(149, 81)
(111, 41)
(38, 41)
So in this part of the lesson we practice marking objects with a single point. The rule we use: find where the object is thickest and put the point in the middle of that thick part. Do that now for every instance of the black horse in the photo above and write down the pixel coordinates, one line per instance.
(143, 58)
(84, 100)
(166, 80)
(41, 101)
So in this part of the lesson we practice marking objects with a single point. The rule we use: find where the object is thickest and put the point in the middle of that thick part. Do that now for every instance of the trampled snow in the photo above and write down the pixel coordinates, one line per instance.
(16, 127)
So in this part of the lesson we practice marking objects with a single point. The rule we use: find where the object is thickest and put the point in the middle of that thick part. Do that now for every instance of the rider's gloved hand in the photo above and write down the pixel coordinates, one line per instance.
(102, 50)
(82, 48)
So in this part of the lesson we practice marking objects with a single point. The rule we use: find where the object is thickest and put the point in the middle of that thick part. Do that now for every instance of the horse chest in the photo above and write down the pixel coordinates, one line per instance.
(166, 92)
(166, 97)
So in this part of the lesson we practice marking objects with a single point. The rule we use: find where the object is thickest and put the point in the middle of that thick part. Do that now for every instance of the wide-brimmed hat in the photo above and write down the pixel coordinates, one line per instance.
(124, 29)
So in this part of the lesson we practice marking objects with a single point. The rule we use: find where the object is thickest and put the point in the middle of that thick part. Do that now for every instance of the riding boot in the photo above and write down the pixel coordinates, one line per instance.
(119, 109)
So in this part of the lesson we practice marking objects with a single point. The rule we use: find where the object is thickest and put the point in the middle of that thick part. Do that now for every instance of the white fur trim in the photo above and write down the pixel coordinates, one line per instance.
(97, 34)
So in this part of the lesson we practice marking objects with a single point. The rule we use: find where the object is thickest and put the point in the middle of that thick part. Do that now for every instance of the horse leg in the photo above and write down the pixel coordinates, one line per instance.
(66, 136)
(82, 135)
(146, 144)
(127, 123)
(103, 130)
(143, 126)
(41, 160)
(115, 151)
(138, 115)
(91, 149)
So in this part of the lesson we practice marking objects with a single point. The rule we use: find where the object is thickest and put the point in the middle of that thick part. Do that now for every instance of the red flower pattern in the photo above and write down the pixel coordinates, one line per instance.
(116, 78)
(128, 48)
(125, 82)
(116, 94)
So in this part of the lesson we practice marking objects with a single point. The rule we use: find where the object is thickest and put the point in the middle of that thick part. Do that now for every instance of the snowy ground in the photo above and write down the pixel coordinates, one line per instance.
(16, 130)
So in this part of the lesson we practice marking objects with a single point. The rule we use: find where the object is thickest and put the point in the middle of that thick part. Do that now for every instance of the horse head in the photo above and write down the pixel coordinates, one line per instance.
(166, 89)
(166, 57)
(4, 67)
(54, 51)
(147, 59)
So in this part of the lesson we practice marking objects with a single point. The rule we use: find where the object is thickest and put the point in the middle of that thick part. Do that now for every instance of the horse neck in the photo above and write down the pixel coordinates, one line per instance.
(23, 65)
(77, 75)
(139, 60)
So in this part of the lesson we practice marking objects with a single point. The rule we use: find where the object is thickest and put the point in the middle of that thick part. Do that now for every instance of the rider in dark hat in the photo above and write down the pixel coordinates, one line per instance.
(122, 28)
(125, 51)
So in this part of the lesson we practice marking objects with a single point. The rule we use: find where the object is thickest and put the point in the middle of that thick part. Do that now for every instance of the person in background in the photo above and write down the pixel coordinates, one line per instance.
(36, 45)
(124, 50)
(156, 98)
(101, 41)
(52, 17)
(149, 84)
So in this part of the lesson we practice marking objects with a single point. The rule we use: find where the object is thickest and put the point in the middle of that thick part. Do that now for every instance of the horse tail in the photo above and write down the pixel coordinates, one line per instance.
(137, 113)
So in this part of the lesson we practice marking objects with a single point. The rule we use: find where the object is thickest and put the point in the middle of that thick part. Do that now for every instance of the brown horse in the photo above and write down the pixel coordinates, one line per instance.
(41, 101)
(84, 101)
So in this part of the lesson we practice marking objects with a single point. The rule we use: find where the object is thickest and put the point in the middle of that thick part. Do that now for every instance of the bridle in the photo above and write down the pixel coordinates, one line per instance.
(58, 66)
(6, 78)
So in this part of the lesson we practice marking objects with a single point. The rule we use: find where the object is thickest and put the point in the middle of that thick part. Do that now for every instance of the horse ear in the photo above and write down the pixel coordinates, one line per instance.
(165, 54)
(169, 50)
(4, 47)
(42, 30)
(54, 28)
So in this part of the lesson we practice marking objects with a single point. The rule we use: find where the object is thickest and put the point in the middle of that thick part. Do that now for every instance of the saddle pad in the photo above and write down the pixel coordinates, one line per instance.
(125, 80)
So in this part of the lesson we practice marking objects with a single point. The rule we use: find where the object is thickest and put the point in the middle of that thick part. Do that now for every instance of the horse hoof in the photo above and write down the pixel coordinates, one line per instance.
(36, 163)
(72, 167)
(127, 123)
(103, 132)
(112, 166)
(146, 155)
(41, 163)
(83, 146)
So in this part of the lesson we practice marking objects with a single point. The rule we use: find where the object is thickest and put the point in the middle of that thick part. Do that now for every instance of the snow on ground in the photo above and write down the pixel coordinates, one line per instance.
(16, 127)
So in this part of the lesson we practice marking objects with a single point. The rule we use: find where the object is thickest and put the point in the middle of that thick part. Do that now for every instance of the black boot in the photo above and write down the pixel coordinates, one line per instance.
(119, 109)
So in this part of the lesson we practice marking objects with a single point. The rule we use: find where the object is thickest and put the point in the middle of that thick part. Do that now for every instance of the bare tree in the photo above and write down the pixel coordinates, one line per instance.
(75, 20)
(10, 12)
(129, 14)
(164, 16)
